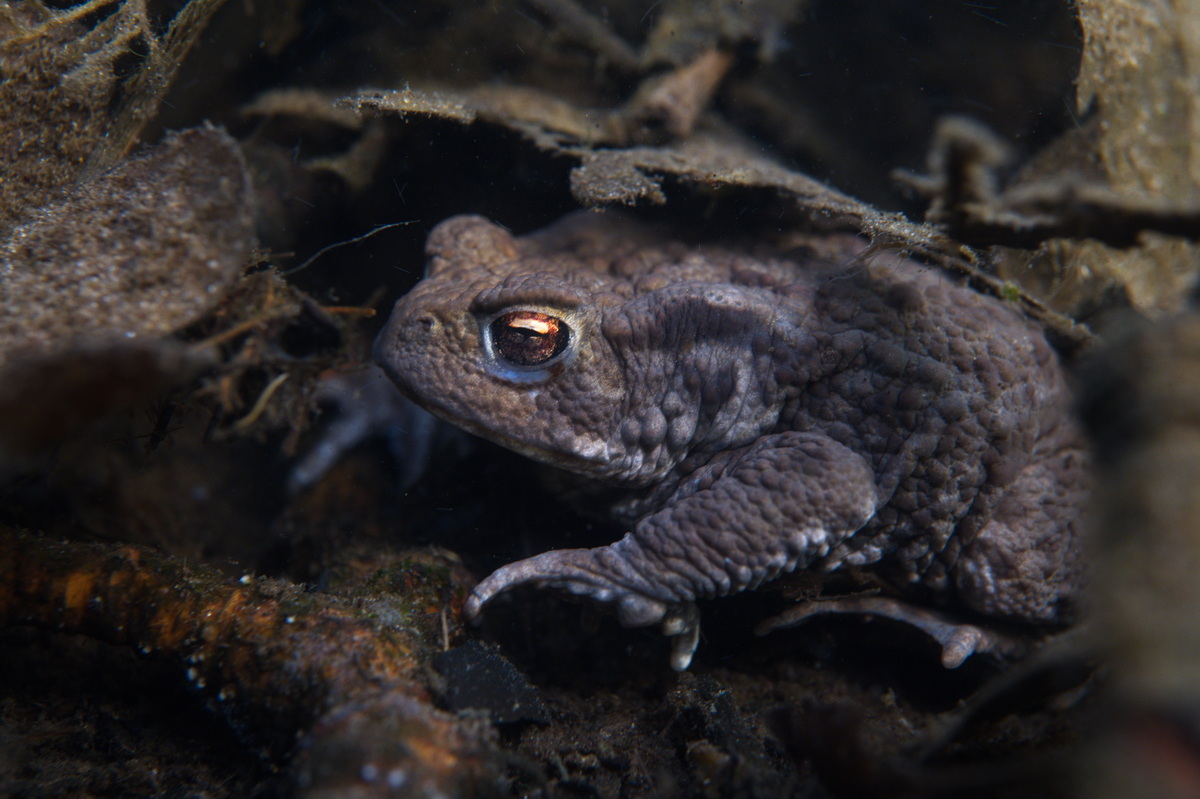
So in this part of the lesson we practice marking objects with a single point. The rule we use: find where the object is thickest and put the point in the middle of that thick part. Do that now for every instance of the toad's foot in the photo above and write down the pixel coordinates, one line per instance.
(682, 626)
(958, 641)
(369, 405)
(596, 575)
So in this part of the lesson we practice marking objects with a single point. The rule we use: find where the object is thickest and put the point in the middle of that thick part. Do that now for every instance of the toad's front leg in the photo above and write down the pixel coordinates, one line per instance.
(772, 507)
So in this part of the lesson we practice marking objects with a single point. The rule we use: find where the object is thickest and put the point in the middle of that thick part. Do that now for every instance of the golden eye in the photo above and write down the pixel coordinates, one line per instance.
(529, 338)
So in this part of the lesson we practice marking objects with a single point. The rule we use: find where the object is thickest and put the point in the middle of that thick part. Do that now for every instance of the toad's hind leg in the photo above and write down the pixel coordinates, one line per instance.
(957, 640)
(1025, 564)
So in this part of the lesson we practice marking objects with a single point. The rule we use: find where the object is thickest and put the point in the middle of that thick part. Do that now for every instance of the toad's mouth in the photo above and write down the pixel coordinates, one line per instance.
(585, 457)
(582, 455)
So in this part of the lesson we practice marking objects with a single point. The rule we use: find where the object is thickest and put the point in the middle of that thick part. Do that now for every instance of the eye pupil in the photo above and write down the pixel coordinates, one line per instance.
(529, 338)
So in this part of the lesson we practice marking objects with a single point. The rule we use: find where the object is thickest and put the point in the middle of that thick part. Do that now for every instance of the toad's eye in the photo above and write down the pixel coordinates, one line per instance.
(528, 338)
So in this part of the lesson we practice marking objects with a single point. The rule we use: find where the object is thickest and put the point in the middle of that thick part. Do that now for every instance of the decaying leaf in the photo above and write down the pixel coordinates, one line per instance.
(76, 86)
(140, 251)
(1141, 399)
(1110, 212)
(710, 162)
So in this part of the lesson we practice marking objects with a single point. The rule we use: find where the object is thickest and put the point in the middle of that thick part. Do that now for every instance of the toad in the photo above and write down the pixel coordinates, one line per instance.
(752, 413)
